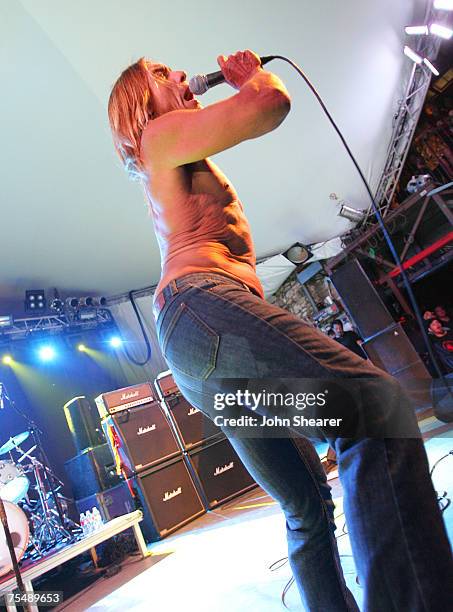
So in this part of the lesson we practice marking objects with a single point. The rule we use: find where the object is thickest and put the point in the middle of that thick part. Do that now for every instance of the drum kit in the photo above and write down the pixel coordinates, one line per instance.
(35, 509)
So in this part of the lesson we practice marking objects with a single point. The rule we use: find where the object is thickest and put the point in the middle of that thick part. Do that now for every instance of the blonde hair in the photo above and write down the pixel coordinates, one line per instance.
(130, 108)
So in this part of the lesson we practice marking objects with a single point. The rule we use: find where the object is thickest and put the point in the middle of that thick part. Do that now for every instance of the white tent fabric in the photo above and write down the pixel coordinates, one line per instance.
(72, 219)
(273, 272)
(134, 343)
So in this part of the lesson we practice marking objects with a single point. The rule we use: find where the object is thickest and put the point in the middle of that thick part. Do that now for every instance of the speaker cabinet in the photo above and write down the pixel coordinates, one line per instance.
(361, 299)
(144, 434)
(442, 398)
(92, 471)
(392, 351)
(84, 423)
(191, 426)
(168, 498)
(219, 471)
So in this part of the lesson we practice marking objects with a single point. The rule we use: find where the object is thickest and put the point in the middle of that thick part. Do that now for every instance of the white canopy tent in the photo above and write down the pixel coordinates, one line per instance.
(71, 219)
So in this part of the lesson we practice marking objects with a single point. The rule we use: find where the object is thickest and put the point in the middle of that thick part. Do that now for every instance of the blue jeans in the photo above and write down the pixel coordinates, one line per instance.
(212, 328)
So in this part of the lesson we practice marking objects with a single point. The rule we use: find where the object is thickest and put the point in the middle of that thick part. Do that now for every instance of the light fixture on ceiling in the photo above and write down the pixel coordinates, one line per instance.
(415, 57)
(298, 253)
(430, 66)
(6, 321)
(57, 305)
(443, 5)
(35, 300)
(441, 30)
(72, 302)
(418, 29)
(352, 214)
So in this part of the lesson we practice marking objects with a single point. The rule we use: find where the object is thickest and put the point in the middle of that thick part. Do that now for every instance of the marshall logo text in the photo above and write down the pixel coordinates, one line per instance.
(174, 493)
(143, 430)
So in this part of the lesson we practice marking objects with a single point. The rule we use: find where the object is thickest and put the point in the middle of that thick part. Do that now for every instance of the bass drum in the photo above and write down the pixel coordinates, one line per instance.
(18, 526)
(13, 482)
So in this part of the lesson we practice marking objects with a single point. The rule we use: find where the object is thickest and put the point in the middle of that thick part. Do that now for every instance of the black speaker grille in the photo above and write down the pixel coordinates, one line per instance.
(145, 435)
(169, 498)
(221, 473)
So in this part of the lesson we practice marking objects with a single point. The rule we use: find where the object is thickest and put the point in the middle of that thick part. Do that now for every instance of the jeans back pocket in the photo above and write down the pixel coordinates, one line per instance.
(189, 344)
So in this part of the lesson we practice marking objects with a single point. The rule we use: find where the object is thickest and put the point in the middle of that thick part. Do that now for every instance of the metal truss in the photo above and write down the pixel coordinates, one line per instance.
(54, 324)
(405, 122)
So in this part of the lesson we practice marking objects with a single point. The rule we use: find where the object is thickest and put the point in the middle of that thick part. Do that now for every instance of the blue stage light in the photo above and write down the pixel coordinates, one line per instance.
(47, 353)
(115, 341)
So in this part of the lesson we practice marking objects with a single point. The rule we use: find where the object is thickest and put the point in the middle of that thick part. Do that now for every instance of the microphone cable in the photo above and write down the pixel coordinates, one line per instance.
(380, 220)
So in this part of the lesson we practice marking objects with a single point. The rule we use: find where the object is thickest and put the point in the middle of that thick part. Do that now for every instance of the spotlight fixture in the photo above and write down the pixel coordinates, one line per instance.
(47, 353)
(352, 214)
(412, 55)
(72, 302)
(35, 300)
(413, 30)
(430, 66)
(440, 30)
(443, 5)
(81, 347)
(6, 321)
(298, 253)
(7, 359)
(57, 305)
(86, 301)
(115, 341)
(100, 301)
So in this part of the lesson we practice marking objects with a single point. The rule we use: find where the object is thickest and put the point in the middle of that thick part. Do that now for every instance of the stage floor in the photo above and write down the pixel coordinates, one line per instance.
(221, 561)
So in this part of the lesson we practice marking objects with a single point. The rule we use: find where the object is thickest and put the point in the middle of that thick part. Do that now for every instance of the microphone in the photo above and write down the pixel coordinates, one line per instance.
(200, 83)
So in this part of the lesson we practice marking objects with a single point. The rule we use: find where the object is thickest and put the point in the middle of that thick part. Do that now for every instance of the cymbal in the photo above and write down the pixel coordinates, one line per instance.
(14, 442)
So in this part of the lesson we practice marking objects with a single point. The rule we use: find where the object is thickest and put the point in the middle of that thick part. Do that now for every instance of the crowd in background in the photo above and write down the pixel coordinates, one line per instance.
(438, 324)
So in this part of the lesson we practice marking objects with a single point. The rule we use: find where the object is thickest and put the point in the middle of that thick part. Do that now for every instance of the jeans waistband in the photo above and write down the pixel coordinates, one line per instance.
(175, 285)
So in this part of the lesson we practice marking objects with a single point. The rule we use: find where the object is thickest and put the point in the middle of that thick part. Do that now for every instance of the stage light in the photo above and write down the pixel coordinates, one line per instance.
(57, 304)
(413, 30)
(35, 300)
(443, 5)
(82, 348)
(352, 214)
(100, 301)
(6, 321)
(298, 253)
(431, 67)
(115, 341)
(440, 30)
(47, 353)
(412, 55)
(72, 302)
(7, 359)
(88, 300)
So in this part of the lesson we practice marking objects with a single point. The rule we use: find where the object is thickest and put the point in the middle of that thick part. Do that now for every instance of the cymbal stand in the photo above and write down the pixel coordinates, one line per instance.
(49, 529)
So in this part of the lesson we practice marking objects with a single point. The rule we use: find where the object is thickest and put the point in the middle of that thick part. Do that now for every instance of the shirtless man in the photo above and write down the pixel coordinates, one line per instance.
(213, 324)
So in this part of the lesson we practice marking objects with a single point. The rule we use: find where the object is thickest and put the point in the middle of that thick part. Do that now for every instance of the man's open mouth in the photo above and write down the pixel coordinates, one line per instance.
(188, 95)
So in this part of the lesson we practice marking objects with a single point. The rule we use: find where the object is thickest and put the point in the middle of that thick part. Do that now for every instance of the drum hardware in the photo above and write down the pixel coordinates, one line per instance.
(14, 442)
(13, 482)
(8, 514)
(49, 523)
(25, 455)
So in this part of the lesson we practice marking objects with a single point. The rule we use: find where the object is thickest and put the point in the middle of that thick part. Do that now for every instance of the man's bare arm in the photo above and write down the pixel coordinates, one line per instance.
(184, 136)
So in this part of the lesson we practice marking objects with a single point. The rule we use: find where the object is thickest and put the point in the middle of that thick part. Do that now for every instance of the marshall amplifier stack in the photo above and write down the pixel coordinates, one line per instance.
(190, 426)
(215, 467)
(135, 420)
(150, 458)
(162, 455)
